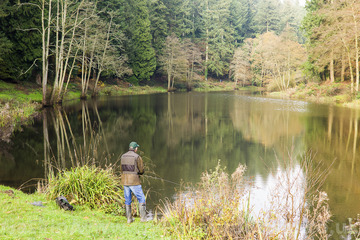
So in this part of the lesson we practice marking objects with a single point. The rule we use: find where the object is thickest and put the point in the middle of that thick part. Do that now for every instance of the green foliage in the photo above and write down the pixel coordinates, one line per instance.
(267, 18)
(90, 186)
(141, 53)
(139, 32)
(220, 37)
(158, 27)
(242, 17)
(19, 35)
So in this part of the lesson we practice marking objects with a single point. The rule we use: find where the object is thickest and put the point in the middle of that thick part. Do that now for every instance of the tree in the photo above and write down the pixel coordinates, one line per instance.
(174, 60)
(291, 15)
(278, 58)
(194, 61)
(158, 27)
(21, 40)
(267, 17)
(333, 39)
(5, 44)
(45, 36)
(240, 64)
(141, 53)
(69, 16)
(105, 59)
(219, 37)
(347, 24)
(311, 21)
(242, 15)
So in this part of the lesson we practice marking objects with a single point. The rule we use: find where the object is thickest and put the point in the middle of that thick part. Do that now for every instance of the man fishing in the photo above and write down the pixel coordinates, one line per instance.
(131, 168)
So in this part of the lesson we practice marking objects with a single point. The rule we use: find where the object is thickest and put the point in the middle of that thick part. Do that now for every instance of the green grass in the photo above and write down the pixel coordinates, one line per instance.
(20, 93)
(21, 220)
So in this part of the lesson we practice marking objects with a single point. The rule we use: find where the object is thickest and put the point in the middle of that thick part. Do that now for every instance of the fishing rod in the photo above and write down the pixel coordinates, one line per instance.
(162, 179)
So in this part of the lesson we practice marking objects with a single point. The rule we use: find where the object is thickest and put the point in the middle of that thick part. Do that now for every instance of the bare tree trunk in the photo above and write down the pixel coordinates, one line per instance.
(206, 54)
(351, 72)
(170, 68)
(69, 76)
(62, 58)
(103, 57)
(343, 66)
(356, 48)
(83, 67)
(207, 43)
(332, 76)
(45, 50)
(350, 64)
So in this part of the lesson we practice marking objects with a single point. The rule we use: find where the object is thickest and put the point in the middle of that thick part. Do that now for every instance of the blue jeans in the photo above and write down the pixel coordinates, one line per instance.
(137, 191)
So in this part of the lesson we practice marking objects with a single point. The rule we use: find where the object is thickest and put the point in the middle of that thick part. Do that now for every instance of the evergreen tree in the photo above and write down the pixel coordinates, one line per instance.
(5, 44)
(242, 14)
(291, 16)
(141, 53)
(20, 40)
(220, 36)
(173, 17)
(310, 22)
(158, 27)
(267, 18)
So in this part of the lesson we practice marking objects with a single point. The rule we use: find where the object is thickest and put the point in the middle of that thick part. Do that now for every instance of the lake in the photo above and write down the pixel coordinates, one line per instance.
(182, 135)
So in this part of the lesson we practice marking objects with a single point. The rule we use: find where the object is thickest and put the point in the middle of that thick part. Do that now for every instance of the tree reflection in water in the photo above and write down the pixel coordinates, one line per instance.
(70, 150)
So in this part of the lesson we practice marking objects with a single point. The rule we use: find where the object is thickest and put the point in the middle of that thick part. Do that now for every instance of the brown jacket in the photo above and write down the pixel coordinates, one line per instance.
(131, 167)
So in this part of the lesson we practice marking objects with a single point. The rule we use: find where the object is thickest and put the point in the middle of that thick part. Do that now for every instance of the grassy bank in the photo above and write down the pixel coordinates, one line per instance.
(19, 104)
(326, 92)
(19, 219)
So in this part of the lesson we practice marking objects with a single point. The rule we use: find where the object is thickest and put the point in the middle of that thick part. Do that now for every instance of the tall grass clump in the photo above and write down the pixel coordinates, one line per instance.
(89, 186)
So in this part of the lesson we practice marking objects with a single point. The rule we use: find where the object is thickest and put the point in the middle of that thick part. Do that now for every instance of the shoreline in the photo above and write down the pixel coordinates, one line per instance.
(21, 103)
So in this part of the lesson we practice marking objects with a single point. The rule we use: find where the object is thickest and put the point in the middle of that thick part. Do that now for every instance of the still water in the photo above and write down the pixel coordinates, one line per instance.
(184, 134)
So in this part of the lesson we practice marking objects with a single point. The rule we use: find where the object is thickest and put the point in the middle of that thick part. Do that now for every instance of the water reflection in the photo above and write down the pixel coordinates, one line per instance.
(282, 198)
(71, 145)
(182, 135)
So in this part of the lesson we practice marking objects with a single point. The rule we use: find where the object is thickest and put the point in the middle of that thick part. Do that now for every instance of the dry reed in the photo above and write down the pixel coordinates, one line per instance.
(219, 206)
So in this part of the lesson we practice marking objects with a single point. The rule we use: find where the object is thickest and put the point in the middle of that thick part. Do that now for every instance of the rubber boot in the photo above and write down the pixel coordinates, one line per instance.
(143, 212)
(128, 214)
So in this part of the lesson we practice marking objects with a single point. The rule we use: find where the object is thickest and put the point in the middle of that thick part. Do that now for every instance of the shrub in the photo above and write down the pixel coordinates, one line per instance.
(90, 186)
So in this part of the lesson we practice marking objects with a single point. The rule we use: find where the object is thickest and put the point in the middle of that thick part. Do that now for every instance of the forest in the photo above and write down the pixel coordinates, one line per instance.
(269, 43)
